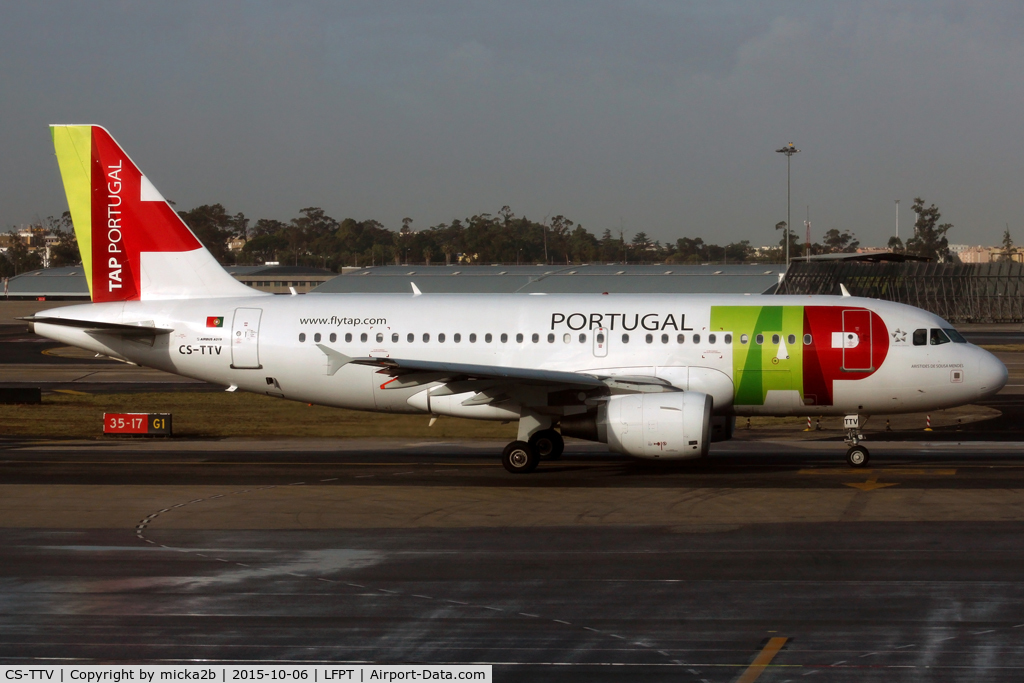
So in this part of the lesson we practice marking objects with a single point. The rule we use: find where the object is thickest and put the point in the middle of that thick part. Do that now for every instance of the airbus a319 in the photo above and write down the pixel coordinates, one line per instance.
(653, 376)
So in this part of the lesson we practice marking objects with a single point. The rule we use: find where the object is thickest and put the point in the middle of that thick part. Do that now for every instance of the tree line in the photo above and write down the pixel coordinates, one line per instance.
(314, 238)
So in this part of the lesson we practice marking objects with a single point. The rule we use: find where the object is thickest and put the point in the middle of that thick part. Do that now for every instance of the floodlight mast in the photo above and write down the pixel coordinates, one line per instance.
(789, 150)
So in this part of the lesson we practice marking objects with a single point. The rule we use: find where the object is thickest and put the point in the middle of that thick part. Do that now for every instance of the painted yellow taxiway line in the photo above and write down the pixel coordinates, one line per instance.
(763, 659)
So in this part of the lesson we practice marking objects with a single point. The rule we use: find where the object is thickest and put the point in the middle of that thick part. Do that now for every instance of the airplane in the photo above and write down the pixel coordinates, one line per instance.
(652, 376)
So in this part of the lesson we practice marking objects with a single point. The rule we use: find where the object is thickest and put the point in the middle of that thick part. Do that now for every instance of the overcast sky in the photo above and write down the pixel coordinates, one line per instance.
(664, 116)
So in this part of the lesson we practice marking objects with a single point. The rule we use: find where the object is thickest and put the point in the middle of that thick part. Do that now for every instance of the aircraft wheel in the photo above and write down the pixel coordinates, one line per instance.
(520, 457)
(857, 456)
(548, 443)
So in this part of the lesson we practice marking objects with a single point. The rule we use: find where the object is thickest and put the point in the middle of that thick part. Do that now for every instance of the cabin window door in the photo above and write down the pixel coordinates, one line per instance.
(600, 342)
(245, 339)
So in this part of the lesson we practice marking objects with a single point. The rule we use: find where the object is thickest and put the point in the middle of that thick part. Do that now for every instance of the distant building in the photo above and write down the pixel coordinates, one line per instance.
(980, 254)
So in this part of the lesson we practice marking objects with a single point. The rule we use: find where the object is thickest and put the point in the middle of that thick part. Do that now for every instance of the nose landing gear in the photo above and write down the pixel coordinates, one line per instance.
(858, 455)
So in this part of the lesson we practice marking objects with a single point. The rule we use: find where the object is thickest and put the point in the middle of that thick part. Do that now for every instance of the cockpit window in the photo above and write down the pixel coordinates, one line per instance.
(920, 337)
(954, 335)
(937, 337)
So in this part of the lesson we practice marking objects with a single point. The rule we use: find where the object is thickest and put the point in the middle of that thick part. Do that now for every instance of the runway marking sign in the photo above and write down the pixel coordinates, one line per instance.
(150, 424)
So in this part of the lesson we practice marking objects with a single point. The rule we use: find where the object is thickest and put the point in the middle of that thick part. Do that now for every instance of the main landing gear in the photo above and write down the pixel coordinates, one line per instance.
(519, 457)
(548, 443)
(858, 455)
(522, 457)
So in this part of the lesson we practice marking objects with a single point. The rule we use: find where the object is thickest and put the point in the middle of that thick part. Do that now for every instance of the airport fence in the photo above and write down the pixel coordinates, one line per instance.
(958, 292)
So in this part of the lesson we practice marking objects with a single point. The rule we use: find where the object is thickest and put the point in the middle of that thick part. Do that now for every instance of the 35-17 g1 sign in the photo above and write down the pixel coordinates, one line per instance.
(137, 423)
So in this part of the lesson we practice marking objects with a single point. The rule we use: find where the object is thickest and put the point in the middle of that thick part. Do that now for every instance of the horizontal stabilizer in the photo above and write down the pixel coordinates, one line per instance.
(131, 329)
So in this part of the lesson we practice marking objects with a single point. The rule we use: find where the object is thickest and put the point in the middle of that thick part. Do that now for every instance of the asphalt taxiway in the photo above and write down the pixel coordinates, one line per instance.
(594, 568)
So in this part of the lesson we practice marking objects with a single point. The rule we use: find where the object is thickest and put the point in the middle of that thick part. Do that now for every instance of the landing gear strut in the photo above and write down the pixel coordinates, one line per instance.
(858, 455)
(519, 457)
(548, 443)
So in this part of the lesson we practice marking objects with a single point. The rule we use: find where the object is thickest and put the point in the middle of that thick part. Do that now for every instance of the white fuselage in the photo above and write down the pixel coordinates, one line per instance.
(272, 345)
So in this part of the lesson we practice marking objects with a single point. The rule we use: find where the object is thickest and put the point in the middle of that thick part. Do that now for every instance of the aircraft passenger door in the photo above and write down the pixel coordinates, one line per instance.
(600, 342)
(245, 339)
(856, 341)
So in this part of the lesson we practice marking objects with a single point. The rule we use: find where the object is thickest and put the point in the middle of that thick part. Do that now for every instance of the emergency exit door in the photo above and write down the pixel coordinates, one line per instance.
(857, 341)
(245, 339)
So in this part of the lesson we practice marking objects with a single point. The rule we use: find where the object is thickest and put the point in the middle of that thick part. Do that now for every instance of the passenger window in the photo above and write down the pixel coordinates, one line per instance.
(711, 339)
(920, 337)
(535, 337)
(348, 337)
(807, 340)
(664, 339)
(394, 337)
(759, 339)
(551, 337)
(625, 338)
(302, 336)
(744, 339)
(600, 337)
(440, 338)
(472, 337)
(649, 338)
(680, 338)
(938, 337)
(488, 338)
(696, 339)
(362, 337)
(728, 339)
(775, 339)
(426, 337)
(380, 337)
(316, 337)
(954, 335)
(519, 338)
(410, 337)
(791, 339)
(583, 339)
(504, 338)
(567, 338)
(456, 337)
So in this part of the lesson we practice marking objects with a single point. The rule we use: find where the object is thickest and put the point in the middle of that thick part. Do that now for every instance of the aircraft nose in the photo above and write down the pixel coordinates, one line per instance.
(992, 375)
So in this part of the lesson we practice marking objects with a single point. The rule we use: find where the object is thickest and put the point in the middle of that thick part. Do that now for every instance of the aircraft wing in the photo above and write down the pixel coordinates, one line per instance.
(463, 377)
(448, 372)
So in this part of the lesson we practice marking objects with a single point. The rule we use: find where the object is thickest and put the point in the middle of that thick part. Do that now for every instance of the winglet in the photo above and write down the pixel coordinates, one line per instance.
(415, 290)
(843, 289)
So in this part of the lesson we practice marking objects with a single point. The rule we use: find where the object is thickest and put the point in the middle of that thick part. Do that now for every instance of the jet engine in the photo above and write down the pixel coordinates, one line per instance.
(669, 426)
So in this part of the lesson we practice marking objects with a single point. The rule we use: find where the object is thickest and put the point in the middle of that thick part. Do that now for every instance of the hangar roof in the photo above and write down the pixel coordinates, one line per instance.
(69, 282)
(734, 279)
(63, 283)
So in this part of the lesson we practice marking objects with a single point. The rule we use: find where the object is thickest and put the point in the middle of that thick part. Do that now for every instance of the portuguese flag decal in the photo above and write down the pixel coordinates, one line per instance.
(215, 321)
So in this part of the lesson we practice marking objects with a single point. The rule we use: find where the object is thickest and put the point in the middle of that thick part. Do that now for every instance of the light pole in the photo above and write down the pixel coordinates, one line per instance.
(897, 224)
(789, 150)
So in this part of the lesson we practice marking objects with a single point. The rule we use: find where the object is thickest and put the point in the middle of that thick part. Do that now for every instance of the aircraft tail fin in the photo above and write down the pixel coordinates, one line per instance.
(133, 244)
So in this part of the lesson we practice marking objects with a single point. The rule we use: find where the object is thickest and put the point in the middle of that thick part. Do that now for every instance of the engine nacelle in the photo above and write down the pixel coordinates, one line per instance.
(671, 426)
